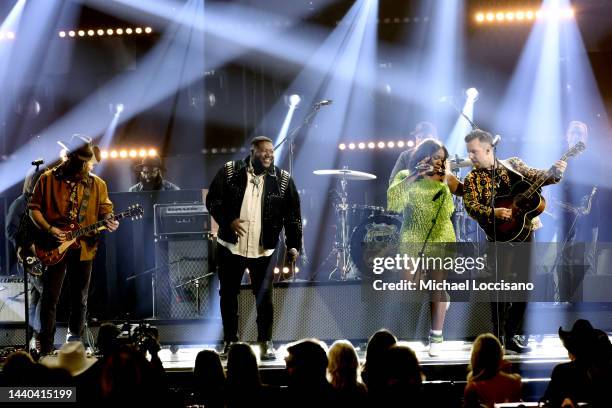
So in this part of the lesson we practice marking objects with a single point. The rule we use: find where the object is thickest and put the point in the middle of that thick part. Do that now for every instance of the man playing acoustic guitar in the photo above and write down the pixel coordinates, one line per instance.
(69, 194)
(507, 316)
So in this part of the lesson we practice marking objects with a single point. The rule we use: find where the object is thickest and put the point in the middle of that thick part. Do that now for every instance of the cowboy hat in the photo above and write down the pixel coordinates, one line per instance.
(71, 357)
(154, 161)
(580, 339)
(82, 148)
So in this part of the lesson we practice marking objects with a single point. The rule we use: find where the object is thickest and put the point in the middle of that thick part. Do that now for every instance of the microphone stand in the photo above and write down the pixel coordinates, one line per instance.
(290, 137)
(459, 111)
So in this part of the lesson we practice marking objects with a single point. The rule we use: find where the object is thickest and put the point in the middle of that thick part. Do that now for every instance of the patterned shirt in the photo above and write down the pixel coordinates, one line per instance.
(477, 186)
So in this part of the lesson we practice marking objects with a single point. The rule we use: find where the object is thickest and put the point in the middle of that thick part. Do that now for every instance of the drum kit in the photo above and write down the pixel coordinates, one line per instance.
(360, 226)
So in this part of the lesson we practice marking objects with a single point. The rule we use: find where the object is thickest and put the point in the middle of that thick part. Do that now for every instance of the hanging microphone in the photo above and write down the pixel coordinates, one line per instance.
(324, 102)
(496, 140)
(38, 162)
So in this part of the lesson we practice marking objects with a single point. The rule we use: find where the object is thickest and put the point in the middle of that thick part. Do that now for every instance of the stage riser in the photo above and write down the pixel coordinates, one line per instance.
(335, 311)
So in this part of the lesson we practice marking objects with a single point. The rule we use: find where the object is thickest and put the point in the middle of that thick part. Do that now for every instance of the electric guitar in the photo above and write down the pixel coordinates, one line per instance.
(526, 203)
(50, 252)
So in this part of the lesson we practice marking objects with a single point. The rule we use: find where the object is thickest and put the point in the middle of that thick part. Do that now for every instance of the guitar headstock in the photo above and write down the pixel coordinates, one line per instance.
(575, 150)
(134, 212)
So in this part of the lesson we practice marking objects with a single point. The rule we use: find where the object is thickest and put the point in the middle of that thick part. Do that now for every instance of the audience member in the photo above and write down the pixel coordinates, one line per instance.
(488, 382)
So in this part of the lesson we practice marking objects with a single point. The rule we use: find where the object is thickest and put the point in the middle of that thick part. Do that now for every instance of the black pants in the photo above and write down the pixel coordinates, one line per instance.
(508, 313)
(79, 275)
(231, 270)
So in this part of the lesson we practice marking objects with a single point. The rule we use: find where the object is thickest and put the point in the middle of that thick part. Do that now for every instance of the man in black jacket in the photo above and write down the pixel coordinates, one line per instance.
(252, 200)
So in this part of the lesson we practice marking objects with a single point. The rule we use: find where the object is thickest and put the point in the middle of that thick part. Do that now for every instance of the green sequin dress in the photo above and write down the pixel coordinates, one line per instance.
(415, 201)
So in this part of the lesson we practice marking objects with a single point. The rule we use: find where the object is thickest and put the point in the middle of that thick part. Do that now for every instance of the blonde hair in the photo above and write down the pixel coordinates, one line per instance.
(342, 364)
(487, 355)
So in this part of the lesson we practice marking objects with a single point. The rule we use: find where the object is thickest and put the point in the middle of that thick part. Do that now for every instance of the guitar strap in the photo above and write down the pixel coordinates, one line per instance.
(85, 201)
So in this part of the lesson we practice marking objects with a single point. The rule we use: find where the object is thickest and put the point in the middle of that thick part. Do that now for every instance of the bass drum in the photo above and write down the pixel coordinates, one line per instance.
(375, 236)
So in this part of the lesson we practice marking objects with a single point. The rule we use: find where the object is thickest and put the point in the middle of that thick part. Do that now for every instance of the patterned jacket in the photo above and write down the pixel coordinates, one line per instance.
(477, 185)
(280, 207)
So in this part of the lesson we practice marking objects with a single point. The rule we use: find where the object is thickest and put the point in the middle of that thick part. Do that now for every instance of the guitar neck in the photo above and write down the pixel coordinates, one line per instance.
(94, 227)
(542, 179)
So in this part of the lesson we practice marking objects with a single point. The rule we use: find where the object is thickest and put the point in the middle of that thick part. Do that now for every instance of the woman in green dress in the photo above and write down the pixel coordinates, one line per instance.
(423, 194)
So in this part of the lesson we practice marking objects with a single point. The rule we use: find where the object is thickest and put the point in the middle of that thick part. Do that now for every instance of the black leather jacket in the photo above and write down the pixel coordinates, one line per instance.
(280, 207)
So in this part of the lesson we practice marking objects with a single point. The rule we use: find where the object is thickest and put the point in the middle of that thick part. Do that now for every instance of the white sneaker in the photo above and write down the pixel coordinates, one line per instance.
(435, 346)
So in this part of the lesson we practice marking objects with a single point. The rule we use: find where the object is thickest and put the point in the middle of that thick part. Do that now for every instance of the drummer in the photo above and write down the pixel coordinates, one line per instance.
(422, 131)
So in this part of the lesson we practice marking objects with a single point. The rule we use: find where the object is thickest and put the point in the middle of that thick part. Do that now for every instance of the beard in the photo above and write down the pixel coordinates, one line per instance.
(154, 183)
(258, 166)
(75, 169)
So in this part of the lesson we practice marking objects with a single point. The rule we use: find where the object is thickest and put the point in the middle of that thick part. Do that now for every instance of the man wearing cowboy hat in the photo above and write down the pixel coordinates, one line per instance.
(588, 375)
(252, 200)
(151, 176)
(65, 194)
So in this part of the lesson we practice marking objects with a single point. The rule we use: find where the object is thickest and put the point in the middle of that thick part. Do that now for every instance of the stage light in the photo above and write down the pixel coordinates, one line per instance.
(100, 32)
(113, 154)
(351, 146)
(294, 100)
(342, 146)
(143, 153)
(490, 17)
(62, 34)
(400, 143)
(138, 30)
(529, 15)
(148, 30)
(520, 15)
(119, 108)
(390, 145)
(123, 154)
(133, 153)
(381, 145)
(499, 16)
(285, 269)
(510, 16)
(480, 17)
(152, 152)
(104, 154)
(119, 31)
(296, 269)
(276, 271)
(128, 30)
(410, 143)
(109, 31)
(371, 145)
(539, 14)
(71, 33)
(361, 145)
(81, 33)
(90, 33)
(472, 93)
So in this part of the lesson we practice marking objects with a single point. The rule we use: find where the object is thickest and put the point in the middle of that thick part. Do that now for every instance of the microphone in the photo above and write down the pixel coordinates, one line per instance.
(438, 195)
(324, 102)
(38, 162)
(496, 140)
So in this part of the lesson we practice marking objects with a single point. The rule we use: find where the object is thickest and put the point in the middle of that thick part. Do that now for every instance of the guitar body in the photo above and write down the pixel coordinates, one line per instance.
(524, 210)
(50, 252)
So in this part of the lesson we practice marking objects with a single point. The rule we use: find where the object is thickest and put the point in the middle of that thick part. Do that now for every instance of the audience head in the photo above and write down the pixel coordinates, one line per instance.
(242, 370)
(580, 340)
(402, 367)
(487, 356)
(107, 338)
(378, 344)
(343, 364)
(306, 362)
(208, 370)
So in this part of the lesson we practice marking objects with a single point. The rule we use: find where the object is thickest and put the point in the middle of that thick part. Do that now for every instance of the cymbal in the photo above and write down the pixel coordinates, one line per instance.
(459, 163)
(346, 174)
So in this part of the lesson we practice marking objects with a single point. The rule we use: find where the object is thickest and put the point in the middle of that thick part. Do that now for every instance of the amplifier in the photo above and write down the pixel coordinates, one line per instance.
(180, 219)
